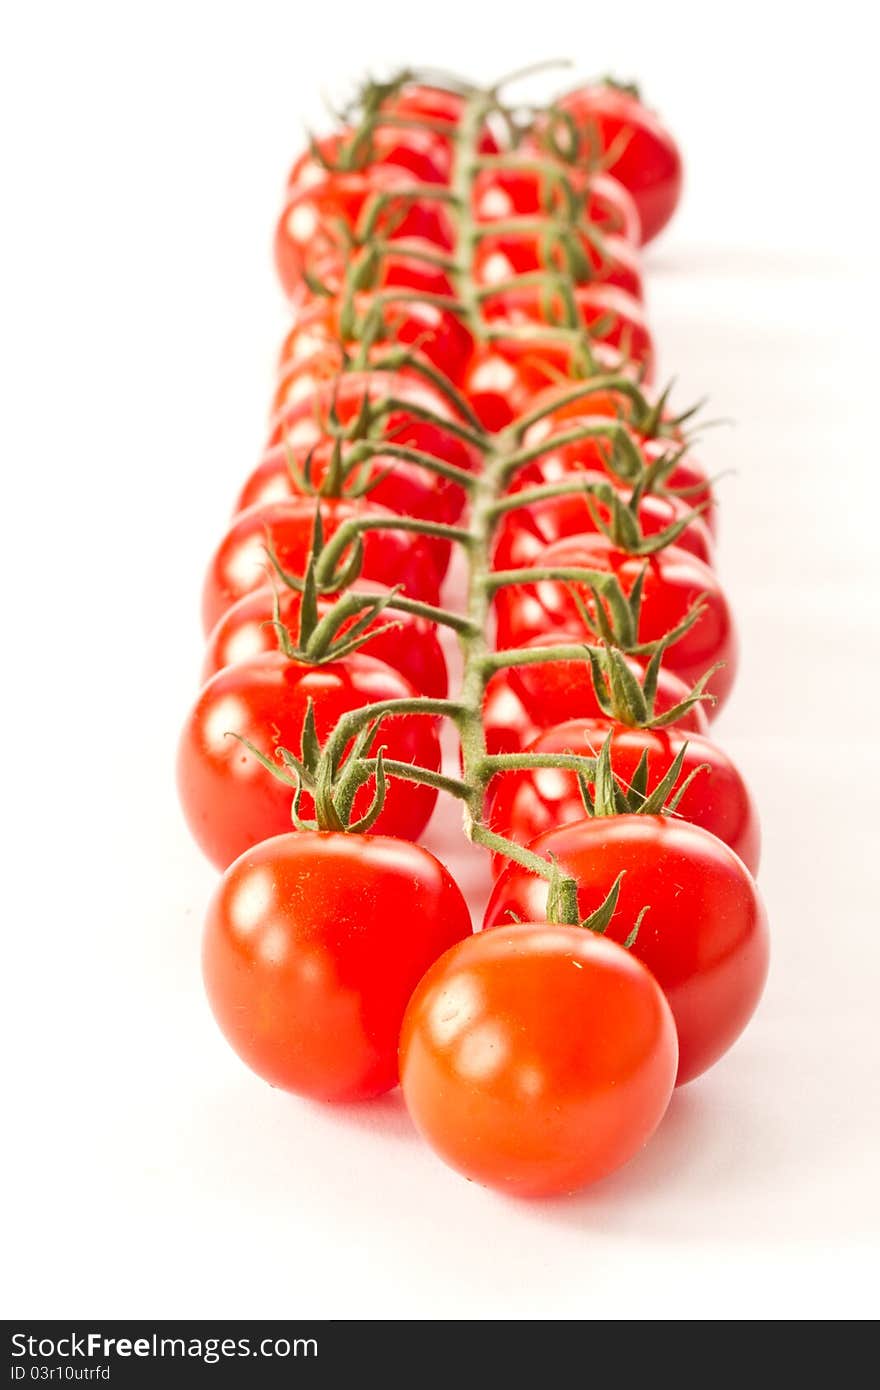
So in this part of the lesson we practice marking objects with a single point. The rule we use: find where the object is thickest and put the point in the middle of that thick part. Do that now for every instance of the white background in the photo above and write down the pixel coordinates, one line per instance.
(148, 1173)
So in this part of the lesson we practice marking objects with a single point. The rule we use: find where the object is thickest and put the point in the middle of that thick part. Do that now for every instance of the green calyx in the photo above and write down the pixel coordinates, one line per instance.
(609, 797)
(628, 701)
(562, 906)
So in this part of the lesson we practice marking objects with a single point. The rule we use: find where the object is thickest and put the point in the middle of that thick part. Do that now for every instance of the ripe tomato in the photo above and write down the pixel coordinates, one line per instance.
(419, 153)
(523, 804)
(644, 158)
(303, 421)
(704, 937)
(313, 944)
(399, 486)
(536, 1059)
(551, 692)
(524, 534)
(674, 580)
(411, 646)
(232, 802)
(428, 332)
(499, 194)
(590, 454)
(506, 378)
(240, 563)
(610, 316)
(506, 725)
(559, 691)
(310, 224)
(499, 258)
(403, 266)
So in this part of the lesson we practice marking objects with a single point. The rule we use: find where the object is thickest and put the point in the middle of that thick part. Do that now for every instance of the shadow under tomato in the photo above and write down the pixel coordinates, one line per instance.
(384, 1115)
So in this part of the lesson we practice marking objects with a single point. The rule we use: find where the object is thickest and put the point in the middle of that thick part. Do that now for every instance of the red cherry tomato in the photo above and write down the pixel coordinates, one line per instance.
(609, 314)
(419, 153)
(644, 157)
(313, 945)
(704, 936)
(399, 486)
(613, 261)
(506, 725)
(240, 563)
(688, 477)
(232, 802)
(523, 804)
(411, 645)
(507, 378)
(309, 227)
(674, 581)
(305, 421)
(536, 1059)
(551, 692)
(502, 193)
(426, 330)
(524, 534)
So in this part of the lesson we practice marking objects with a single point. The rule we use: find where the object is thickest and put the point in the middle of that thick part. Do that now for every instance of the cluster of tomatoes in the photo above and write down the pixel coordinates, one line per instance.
(469, 367)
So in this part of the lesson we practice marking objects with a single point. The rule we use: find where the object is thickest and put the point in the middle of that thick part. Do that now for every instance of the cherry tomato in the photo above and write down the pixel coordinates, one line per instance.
(536, 1059)
(524, 534)
(398, 486)
(609, 314)
(614, 261)
(232, 802)
(704, 936)
(411, 645)
(590, 454)
(499, 194)
(674, 581)
(506, 725)
(313, 944)
(523, 804)
(304, 421)
(420, 153)
(506, 378)
(643, 155)
(310, 223)
(314, 349)
(240, 563)
(522, 701)
(406, 265)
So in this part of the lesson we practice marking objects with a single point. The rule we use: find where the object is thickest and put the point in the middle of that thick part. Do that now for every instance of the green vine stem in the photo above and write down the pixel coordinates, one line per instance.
(503, 454)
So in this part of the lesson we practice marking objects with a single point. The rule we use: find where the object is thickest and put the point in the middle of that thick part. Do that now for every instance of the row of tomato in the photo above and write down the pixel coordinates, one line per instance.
(466, 283)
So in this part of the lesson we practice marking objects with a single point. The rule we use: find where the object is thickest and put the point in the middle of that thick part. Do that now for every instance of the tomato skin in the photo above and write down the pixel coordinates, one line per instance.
(524, 534)
(674, 580)
(499, 258)
(552, 692)
(649, 165)
(523, 804)
(304, 421)
(307, 229)
(506, 725)
(430, 332)
(240, 564)
(245, 630)
(231, 802)
(588, 455)
(419, 153)
(313, 944)
(704, 937)
(608, 206)
(611, 316)
(399, 486)
(530, 1099)
(506, 378)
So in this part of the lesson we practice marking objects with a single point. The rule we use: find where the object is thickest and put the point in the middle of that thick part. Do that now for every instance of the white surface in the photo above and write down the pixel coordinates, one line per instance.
(148, 1173)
